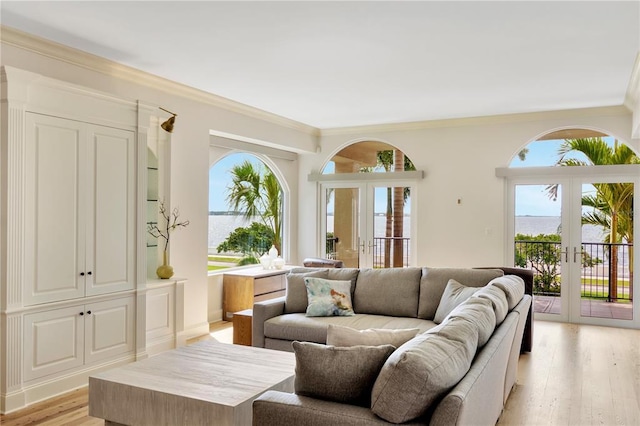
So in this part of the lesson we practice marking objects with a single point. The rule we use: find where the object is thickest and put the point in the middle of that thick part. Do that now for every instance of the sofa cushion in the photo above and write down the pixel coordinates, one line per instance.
(346, 336)
(392, 292)
(422, 370)
(479, 312)
(296, 294)
(298, 326)
(497, 298)
(513, 287)
(434, 281)
(328, 297)
(454, 294)
(342, 374)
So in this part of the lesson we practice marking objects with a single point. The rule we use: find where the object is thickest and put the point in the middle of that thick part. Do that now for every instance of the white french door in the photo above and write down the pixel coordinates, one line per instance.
(360, 228)
(581, 276)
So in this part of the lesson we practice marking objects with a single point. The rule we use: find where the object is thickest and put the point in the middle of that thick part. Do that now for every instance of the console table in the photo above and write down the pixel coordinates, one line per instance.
(243, 287)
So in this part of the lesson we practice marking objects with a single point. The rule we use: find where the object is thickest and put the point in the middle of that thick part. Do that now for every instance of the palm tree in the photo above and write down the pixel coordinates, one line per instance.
(612, 204)
(255, 192)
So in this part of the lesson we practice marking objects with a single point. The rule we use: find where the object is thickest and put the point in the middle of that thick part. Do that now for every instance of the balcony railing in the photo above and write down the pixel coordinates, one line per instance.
(384, 249)
(606, 271)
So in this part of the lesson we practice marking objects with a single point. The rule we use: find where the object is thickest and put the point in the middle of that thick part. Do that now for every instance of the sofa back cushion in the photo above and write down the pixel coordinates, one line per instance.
(419, 372)
(392, 292)
(479, 312)
(434, 281)
(513, 287)
(498, 299)
(295, 299)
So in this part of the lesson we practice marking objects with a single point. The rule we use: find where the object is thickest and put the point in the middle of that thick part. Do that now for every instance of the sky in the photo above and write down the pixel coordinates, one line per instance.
(533, 200)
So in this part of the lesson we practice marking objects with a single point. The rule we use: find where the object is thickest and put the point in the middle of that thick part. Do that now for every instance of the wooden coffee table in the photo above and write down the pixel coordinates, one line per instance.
(204, 383)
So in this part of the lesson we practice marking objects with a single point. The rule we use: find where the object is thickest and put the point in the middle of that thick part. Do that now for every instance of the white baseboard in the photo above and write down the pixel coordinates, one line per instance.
(36, 392)
(215, 316)
(192, 332)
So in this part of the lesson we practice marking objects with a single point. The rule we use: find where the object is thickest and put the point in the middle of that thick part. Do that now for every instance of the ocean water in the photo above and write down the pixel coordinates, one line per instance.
(535, 225)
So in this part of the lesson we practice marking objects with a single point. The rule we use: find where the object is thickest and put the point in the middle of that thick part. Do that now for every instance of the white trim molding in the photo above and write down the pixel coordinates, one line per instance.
(368, 177)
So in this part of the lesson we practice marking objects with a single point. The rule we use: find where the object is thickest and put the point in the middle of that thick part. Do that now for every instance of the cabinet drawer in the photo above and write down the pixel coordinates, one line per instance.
(268, 296)
(268, 284)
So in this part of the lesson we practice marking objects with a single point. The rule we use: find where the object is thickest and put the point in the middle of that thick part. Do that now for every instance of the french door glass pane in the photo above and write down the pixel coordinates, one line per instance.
(391, 227)
(343, 213)
(538, 244)
(607, 251)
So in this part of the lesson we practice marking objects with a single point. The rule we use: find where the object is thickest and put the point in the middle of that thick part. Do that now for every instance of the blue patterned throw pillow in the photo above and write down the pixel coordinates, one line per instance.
(328, 297)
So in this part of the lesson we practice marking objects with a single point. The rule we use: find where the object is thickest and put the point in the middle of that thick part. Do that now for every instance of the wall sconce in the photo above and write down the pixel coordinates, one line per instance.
(168, 125)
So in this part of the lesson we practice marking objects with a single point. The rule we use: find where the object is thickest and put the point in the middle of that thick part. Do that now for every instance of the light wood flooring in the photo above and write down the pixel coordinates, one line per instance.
(576, 375)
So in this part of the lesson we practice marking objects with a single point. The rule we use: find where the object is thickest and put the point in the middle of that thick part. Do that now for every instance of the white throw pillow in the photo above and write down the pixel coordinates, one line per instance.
(513, 287)
(453, 295)
(338, 335)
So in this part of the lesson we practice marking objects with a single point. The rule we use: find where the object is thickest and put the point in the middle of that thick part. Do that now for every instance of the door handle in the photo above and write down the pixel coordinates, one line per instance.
(565, 252)
(370, 246)
(362, 246)
(575, 254)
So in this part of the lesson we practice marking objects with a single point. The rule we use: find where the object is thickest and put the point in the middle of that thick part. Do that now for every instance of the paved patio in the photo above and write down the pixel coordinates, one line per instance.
(589, 308)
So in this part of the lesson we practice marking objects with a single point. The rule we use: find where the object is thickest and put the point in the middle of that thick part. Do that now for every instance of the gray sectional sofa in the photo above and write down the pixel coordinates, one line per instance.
(458, 369)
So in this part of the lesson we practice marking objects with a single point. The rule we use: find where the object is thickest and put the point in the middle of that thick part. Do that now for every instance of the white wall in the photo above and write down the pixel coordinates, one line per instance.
(459, 158)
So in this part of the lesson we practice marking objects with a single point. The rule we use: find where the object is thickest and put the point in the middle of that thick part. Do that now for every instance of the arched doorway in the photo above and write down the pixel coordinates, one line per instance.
(571, 217)
(366, 191)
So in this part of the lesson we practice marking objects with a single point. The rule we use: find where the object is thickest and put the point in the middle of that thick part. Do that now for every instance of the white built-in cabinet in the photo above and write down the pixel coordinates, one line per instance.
(76, 293)
(79, 209)
(61, 339)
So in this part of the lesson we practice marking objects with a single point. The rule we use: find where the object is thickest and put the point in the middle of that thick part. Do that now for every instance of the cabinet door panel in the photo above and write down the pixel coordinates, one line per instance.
(109, 330)
(53, 341)
(160, 312)
(110, 255)
(54, 243)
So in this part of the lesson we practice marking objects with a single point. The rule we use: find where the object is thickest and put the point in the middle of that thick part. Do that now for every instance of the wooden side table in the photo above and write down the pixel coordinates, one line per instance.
(242, 323)
(243, 287)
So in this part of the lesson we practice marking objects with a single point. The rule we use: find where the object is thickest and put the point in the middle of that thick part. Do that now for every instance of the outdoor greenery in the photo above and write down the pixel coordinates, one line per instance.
(256, 238)
(256, 193)
(543, 254)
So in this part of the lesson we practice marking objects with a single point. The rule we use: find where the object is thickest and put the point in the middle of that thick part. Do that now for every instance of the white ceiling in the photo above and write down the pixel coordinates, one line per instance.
(334, 64)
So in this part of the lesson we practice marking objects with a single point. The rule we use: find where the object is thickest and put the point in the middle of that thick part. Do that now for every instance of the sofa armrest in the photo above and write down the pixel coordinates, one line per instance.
(262, 311)
(274, 408)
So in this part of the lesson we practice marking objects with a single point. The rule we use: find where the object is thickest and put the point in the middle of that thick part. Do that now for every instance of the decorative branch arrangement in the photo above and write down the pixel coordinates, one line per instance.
(171, 222)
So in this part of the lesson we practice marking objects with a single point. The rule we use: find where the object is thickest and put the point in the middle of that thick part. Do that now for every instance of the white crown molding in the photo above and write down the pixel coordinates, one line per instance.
(633, 90)
(32, 43)
(478, 121)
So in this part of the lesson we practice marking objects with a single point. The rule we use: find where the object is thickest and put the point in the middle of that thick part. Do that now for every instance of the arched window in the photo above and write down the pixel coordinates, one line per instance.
(245, 211)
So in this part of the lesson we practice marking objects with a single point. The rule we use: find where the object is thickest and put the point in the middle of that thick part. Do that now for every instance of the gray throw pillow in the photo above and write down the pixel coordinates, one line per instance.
(338, 335)
(295, 300)
(338, 374)
(454, 294)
